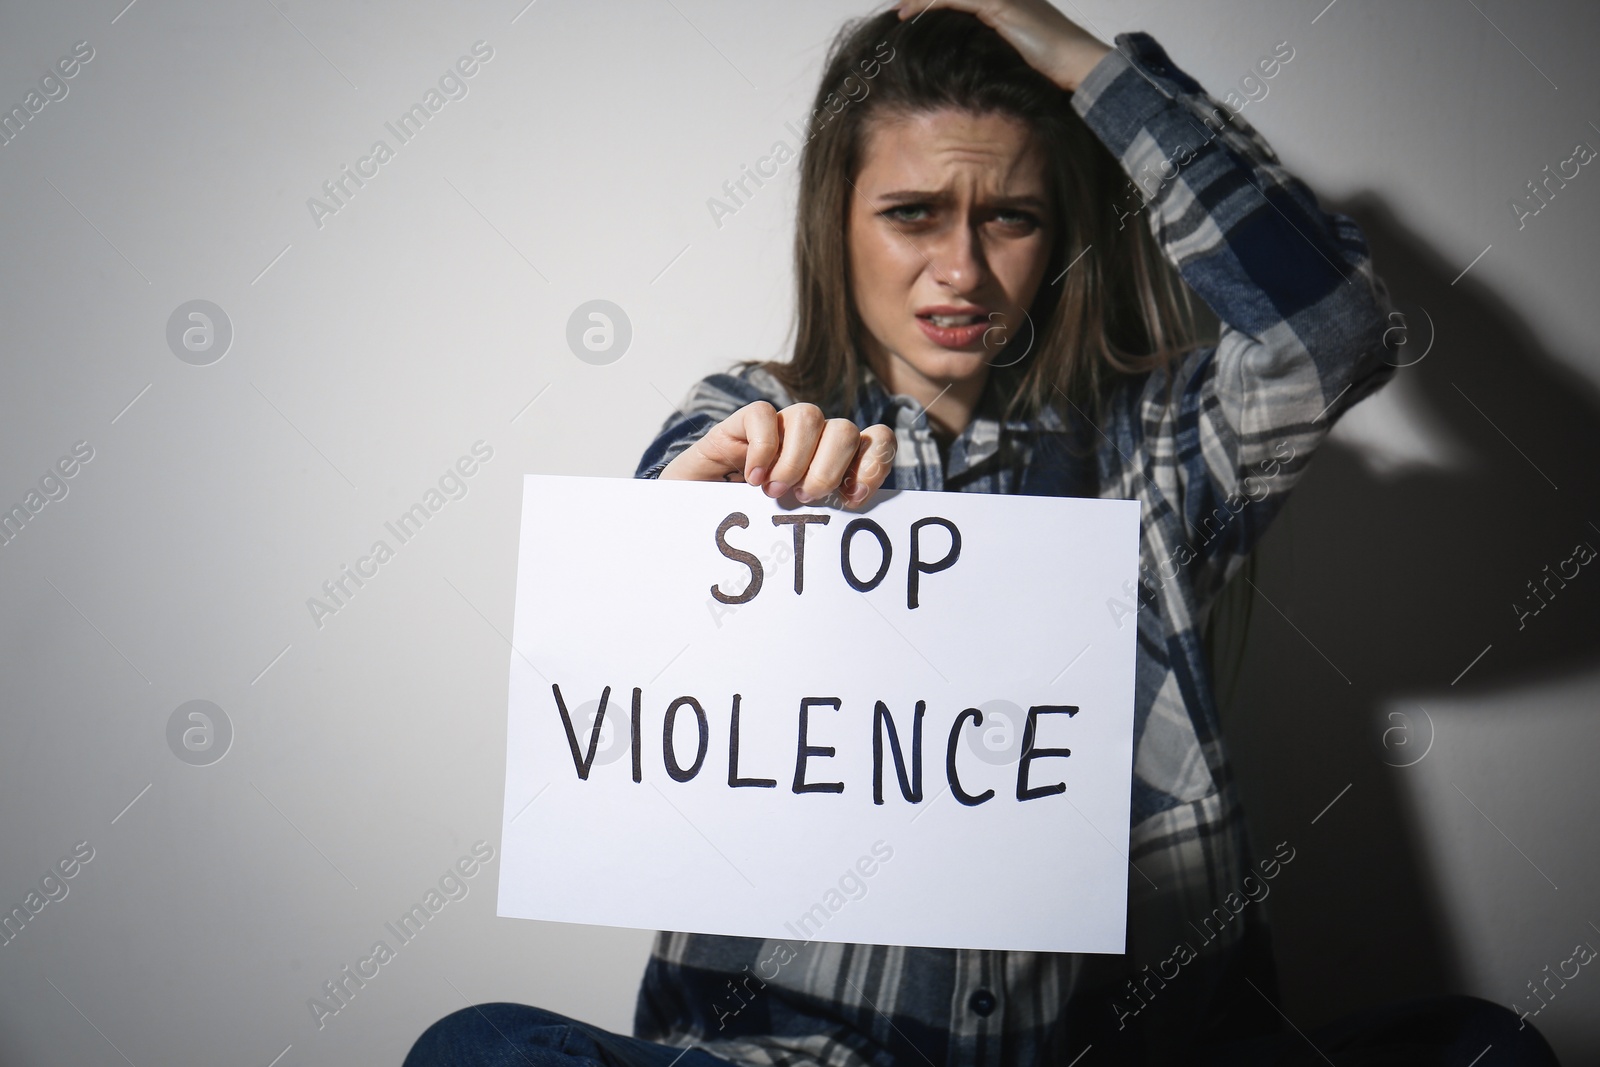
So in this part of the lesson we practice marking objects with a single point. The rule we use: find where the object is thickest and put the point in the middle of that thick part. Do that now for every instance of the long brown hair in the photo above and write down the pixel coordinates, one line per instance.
(1121, 309)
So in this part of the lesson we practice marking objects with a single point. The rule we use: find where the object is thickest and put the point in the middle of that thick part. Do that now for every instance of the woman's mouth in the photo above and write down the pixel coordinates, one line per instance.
(954, 328)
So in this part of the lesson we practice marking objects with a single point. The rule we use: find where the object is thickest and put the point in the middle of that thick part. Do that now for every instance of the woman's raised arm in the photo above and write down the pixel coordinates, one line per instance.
(1303, 314)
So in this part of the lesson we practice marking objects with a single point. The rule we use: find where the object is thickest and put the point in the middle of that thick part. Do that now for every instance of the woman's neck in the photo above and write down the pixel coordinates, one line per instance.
(949, 405)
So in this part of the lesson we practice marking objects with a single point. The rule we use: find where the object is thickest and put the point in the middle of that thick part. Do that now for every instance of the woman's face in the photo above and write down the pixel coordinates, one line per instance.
(949, 234)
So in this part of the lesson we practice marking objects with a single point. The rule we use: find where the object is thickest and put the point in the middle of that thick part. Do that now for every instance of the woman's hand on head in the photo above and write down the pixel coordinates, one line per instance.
(796, 448)
(1051, 43)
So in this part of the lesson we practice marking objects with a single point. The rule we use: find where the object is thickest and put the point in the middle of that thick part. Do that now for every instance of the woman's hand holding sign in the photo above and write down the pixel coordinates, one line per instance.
(796, 448)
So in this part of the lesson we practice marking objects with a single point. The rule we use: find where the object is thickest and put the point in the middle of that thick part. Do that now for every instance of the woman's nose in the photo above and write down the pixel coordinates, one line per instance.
(957, 258)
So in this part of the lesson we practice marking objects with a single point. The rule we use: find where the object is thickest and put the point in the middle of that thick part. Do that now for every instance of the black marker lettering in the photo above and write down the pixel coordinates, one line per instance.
(857, 525)
(950, 760)
(805, 751)
(637, 739)
(582, 763)
(668, 756)
(880, 718)
(800, 522)
(919, 566)
(734, 781)
(749, 559)
(1029, 753)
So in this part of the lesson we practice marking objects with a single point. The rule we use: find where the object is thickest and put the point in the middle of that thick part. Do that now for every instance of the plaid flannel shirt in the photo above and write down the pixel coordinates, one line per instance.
(1302, 316)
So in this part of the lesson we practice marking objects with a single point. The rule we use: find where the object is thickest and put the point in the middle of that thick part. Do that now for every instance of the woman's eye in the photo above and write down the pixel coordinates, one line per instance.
(907, 213)
(1021, 222)
(1017, 220)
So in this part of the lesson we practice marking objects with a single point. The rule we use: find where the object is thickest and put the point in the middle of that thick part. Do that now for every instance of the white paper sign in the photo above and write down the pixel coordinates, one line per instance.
(987, 612)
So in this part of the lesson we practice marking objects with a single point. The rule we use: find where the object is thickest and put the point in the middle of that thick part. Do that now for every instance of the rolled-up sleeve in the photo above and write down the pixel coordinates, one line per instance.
(1302, 313)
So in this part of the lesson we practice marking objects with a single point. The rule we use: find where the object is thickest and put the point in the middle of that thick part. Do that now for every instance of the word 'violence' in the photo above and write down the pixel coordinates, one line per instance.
(883, 725)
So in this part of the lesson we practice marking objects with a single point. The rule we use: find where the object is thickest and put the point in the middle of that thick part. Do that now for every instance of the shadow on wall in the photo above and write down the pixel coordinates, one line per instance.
(1401, 579)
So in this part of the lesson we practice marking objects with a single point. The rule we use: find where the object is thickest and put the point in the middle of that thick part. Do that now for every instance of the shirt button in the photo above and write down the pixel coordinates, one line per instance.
(982, 1001)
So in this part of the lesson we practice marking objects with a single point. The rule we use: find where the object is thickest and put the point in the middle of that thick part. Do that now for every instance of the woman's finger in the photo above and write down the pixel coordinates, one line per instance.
(835, 454)
(874, 460)
(801, 429)
(762, 433)
(729, 451)
(1050, 42)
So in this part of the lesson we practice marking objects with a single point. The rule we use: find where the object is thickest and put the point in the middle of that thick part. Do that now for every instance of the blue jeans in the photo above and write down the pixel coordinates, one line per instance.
(1449, 1030)
(515, 1035)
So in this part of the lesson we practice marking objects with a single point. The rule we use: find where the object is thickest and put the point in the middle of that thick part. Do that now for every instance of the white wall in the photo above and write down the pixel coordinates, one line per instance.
(426, 314)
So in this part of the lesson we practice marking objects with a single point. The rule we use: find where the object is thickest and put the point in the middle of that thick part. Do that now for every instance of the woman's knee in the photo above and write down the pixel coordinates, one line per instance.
(1499, 1025)
(481, 1028)
(1454, 1028)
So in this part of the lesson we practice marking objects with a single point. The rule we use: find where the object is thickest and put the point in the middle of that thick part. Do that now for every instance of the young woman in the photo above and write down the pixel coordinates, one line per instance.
(992, 207)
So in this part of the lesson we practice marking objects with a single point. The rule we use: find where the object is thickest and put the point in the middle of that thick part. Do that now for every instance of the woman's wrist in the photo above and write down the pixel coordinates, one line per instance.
(686, 466)
(1050, 42)
(1053, 44)
(1078, 59)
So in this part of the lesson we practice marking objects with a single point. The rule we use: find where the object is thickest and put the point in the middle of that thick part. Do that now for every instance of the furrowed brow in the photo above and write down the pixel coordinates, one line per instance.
(921, 196)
